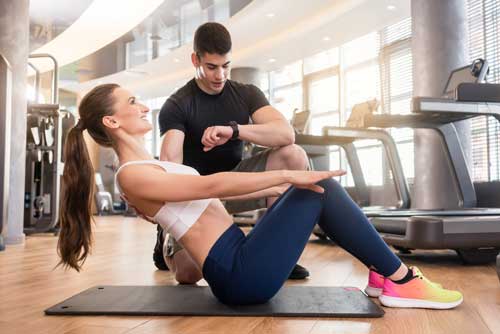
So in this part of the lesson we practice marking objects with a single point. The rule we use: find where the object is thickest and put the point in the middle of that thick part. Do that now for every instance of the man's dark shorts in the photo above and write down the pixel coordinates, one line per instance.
(256, 163)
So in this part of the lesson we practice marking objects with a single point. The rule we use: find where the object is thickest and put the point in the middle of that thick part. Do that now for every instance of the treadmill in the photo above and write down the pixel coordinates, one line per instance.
(473, 232)
(344, 138)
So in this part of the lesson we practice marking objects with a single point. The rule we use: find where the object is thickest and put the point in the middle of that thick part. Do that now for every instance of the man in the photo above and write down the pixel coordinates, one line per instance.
(204, 125)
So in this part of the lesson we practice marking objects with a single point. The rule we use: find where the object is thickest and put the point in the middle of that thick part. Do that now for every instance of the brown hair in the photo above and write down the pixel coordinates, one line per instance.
(213, 38)
(75, 214)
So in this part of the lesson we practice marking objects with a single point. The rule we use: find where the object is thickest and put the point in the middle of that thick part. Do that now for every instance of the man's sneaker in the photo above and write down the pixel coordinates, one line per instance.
(375, 284)
(419, 292)
(158, 250)
(299, 272)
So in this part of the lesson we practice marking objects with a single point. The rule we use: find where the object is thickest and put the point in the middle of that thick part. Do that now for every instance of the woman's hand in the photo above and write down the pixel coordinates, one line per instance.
(276, 191)
(308, 179)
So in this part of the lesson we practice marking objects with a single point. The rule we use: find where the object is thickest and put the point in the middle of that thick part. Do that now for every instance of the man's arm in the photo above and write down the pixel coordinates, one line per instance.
(270, 129)
(172, 145)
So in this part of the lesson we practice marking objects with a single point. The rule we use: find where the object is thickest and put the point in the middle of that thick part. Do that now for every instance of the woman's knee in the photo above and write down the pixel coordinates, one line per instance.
(331, 185)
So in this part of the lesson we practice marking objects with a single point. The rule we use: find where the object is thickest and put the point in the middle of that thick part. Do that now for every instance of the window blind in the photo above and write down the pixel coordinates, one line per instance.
(484, 42)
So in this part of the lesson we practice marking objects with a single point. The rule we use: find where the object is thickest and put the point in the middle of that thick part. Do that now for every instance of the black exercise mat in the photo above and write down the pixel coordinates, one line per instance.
(294, 301)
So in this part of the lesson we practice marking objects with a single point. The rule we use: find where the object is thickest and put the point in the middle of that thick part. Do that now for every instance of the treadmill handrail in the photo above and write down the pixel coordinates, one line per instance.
(422, 104)
(400, 182)
(442, 122)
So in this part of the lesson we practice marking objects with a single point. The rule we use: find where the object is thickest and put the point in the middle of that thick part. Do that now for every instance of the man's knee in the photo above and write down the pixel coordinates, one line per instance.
(292, 157)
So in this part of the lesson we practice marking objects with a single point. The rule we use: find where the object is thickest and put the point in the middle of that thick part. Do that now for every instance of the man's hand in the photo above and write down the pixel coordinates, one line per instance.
(215, 136)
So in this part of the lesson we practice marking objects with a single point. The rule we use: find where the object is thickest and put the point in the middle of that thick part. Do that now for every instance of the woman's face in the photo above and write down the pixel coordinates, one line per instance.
(129, 115)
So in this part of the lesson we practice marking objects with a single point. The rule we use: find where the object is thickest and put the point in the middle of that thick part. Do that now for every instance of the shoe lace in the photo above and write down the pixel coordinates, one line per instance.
(418, 273)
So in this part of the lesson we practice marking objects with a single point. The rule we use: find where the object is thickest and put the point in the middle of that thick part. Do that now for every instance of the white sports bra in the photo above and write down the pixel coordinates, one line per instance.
(175, 217)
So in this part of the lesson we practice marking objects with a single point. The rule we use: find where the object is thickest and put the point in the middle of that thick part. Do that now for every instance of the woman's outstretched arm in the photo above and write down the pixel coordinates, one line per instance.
(153, 184)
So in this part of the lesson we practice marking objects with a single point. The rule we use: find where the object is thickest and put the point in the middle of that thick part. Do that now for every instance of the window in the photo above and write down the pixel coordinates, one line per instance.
(286, 93)
(288, 99)
(152, 139)
(321, 61)
(323, 102)
(377, 65)
(484, 42)
(396, 76)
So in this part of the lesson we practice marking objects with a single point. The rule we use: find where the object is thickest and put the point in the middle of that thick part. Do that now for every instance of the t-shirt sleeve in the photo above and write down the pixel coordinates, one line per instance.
(255, 98)
(171, 117)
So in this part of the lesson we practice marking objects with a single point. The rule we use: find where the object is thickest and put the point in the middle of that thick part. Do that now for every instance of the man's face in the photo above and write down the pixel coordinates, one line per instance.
(212, 71)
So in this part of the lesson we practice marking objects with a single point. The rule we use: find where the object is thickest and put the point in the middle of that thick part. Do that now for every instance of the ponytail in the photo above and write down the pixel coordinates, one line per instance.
(75, 216)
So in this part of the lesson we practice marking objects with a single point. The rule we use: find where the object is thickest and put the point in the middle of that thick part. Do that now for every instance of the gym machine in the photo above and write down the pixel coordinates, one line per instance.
(46, 127)
(5, 114)
(317, 149)
(473, 232)
(345, 137)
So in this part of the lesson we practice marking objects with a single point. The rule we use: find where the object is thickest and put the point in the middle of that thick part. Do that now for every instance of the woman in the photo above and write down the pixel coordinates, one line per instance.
(239, 269)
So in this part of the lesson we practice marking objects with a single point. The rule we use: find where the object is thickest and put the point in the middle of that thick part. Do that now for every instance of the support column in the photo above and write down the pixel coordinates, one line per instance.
(439, 45)
(14, 45)
(246, 75)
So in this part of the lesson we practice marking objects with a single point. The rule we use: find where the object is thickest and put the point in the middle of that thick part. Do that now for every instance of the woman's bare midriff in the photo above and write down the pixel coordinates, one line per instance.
(200, 238)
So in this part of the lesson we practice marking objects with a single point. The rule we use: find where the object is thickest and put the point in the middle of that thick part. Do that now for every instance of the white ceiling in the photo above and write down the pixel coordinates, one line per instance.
(296, 30)
(94, 29)
(48, 11)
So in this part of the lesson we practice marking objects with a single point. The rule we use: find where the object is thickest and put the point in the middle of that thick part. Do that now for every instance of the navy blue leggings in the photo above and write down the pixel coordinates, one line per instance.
(251, 269)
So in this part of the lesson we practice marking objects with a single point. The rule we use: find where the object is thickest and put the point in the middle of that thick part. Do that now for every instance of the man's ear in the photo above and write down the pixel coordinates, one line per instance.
(110, 122)
(195, 60)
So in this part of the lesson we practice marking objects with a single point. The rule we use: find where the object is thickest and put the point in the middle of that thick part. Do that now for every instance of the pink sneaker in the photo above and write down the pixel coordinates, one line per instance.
(419, 292)
(375, 284)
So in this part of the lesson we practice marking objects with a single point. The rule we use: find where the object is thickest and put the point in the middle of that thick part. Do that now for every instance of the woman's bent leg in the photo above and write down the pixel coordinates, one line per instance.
(272, 248)
(343, 221)
(265, 257)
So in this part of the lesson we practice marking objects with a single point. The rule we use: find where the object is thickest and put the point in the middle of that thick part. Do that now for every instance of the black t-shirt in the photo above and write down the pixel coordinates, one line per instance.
(191, 111)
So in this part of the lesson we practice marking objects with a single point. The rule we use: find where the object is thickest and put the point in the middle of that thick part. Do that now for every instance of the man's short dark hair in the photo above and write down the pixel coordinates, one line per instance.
(213, 38)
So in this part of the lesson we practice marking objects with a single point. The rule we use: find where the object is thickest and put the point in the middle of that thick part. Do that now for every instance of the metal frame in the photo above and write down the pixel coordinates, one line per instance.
(428, 113)
(46, 224)
(55, 75)
(463, 229)
(5, 120)
(345, 137)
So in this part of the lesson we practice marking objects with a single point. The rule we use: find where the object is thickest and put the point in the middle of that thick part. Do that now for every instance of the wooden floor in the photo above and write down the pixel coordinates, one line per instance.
(122, 256)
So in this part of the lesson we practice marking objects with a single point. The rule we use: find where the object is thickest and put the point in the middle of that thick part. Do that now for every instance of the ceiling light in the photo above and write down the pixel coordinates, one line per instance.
(270, 15)
(391, 7)
(326, 38)
(272, 60)
(176, 60)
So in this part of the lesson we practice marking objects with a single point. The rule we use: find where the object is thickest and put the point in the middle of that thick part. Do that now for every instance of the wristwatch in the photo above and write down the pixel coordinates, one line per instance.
(236, 131)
